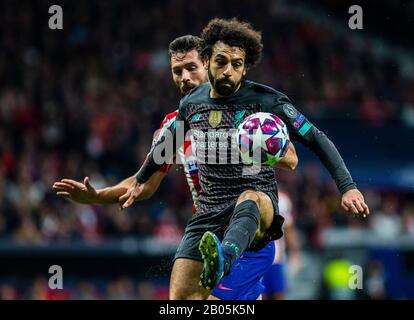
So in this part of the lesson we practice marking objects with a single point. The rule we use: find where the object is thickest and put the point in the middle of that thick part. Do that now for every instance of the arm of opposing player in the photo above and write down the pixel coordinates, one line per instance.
(79, 192)
(85, 193)
(139, 192)
(112, 194)
(167, 141)
(152, 171)
(120, 192)
(163, 150)
(290, 160)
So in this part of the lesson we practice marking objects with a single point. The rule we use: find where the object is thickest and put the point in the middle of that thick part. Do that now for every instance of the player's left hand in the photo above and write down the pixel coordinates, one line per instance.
(353, 201)
(133, 193)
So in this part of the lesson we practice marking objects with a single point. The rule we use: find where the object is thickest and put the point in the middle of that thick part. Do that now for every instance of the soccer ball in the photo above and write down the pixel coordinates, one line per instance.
(263, 139)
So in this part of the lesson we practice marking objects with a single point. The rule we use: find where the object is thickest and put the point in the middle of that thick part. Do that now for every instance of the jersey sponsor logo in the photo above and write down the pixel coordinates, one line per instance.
(215, 118)
(196, 118)
(221, 287)
(289, 110)
(298, 121)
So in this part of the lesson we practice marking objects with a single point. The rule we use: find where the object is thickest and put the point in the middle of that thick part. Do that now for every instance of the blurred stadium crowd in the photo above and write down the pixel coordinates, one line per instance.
(85, 101)
(120, 288)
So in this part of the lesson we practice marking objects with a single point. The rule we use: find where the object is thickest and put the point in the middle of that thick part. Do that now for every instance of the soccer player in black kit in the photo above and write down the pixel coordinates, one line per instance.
(239, 212)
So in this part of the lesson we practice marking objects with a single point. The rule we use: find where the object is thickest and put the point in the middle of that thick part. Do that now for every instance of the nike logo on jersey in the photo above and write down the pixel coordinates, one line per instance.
(220, 286)
(196, 118)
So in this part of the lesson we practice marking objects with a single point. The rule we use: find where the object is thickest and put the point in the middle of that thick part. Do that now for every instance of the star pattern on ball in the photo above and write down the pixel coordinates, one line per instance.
(263, 139)
(259, 139)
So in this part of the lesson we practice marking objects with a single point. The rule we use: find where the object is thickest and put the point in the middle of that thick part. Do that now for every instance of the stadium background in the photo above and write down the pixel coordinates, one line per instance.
(85, 100)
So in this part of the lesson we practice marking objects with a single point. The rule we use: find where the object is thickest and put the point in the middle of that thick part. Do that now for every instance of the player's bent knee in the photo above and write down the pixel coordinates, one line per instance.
(266, 215)
(249, 195)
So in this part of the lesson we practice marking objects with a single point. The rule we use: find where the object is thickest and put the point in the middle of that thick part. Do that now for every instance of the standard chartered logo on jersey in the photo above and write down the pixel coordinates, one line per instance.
(216, 146)
(212, 146)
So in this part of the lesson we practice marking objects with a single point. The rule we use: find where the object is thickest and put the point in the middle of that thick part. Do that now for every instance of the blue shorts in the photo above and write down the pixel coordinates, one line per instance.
(244, 280)
(274, 279)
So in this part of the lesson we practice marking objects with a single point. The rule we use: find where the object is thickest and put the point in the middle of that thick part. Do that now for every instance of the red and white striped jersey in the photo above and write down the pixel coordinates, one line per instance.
(187, 158)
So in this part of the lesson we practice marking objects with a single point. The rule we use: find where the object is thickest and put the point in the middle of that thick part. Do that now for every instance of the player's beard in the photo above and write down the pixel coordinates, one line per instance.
(184, 89)
(224, 87)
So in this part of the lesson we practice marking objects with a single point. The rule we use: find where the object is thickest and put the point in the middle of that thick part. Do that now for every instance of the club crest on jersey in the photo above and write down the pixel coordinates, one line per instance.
(239, 117)
(215, 118)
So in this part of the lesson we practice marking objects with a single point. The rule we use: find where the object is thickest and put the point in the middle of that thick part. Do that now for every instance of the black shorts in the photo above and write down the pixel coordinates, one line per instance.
(218, 223)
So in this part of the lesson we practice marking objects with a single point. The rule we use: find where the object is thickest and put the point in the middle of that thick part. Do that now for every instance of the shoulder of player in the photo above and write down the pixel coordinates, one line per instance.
(195, 95)
(267, 93)
(169, 118)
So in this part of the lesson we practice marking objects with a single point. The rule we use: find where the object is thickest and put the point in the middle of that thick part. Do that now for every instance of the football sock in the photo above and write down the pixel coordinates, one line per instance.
(240, 232)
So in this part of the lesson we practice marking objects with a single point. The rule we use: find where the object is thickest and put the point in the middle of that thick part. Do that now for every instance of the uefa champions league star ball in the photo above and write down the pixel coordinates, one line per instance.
(263, 139)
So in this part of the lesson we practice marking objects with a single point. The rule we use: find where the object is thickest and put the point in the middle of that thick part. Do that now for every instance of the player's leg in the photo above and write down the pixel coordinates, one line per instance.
(185, 277)
(252, 218)
(244, 280)
(266, 210)
(270, 223)
(188, 265)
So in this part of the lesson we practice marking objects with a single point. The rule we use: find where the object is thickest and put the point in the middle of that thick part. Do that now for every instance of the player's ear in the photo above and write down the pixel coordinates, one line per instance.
(205, 62)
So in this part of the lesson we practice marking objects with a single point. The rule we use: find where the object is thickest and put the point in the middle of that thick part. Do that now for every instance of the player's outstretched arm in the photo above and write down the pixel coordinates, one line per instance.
(290, 160)
(85, 193)
(139, 192)
(302, 130)
(352, 199)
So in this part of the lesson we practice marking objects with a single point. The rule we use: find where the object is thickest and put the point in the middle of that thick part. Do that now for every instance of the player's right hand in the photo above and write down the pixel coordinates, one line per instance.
(133, 194)
(79, 192)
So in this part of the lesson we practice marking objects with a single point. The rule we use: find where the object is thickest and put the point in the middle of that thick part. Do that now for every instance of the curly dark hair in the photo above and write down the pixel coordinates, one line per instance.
(234, 33)
(185, 44)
